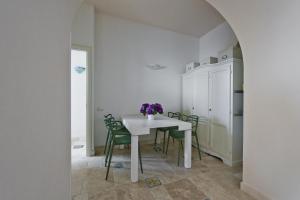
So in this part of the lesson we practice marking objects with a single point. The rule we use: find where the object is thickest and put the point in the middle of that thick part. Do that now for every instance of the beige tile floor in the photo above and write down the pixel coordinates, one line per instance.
(209, 178)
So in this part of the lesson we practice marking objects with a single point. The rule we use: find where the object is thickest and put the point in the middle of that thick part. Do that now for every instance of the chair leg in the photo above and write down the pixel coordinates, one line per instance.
(181, 143)
(178, 153)
(140, 158)
(164, 142)
(108, 150)
(106, 142)
(198, 146)
(155, 141)
(168, 144)
(111, 152)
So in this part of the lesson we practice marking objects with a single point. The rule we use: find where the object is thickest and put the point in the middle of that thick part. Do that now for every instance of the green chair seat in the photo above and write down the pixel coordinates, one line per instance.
(179, 134)
(163, 129)
(176, 134)
(126, 139)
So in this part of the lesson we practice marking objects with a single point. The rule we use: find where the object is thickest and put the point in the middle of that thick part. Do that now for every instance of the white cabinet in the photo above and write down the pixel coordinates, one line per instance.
(214, 93)
(187, 93)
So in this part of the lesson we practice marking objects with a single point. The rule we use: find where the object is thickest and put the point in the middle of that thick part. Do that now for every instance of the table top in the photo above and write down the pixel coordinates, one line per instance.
(140, 125)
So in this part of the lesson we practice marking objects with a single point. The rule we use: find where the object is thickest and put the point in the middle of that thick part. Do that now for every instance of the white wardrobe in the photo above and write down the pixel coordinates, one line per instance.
(215, 93)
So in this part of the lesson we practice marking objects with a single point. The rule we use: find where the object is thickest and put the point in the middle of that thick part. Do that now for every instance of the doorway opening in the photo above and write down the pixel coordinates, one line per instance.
(79, 100)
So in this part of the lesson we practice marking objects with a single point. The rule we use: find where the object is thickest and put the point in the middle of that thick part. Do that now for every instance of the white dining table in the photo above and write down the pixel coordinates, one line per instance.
(139, 125)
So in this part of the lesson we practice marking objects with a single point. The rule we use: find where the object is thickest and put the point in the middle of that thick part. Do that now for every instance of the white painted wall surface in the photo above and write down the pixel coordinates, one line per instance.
(269, 32)
(34, 105)
(216, 40)
(122, 81)
(83, 26)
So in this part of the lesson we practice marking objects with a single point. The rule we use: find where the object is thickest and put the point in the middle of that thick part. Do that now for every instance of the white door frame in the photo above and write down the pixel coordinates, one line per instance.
(90, 147)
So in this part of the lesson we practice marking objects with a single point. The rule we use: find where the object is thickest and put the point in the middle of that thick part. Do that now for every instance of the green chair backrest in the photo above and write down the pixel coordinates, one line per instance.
(176, 115)
(184, 117)
(194, 119)
(115, 127)
(108, 116)
(108, 121)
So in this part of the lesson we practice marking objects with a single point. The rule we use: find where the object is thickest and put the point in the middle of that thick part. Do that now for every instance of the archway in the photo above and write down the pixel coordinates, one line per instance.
(269, 37)
(266, 30)
(272, 93)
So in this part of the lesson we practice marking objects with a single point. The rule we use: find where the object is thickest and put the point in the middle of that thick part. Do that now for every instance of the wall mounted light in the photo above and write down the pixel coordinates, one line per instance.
(79, 69)
(156, 67)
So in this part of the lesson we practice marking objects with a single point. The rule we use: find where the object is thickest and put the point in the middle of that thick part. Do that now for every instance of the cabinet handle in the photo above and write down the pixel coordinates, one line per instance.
(209, 109)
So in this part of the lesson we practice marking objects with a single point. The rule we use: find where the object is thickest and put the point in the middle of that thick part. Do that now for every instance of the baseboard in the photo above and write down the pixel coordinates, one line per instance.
(233, 163)
(253, 192)
(230, 163)
(91, 153)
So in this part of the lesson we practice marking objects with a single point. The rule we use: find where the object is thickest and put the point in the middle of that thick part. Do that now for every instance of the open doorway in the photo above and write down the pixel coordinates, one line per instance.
(79, 99)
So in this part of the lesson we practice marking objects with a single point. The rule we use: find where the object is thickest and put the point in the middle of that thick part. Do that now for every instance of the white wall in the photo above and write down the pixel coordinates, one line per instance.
(34, 105)
(269, 32)
(216, 40)
(122, 81)
(83, 26)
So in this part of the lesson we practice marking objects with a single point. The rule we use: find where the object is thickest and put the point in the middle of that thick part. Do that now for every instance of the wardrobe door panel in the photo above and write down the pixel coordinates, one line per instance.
(201, 94)
(203, 133)
(220, 110)
(201, 106)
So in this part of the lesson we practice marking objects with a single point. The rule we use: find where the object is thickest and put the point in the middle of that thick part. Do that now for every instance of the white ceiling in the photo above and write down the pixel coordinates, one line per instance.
(192, 17)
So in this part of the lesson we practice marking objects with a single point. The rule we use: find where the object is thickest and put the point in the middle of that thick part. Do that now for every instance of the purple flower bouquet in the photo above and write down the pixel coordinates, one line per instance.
(151, 109)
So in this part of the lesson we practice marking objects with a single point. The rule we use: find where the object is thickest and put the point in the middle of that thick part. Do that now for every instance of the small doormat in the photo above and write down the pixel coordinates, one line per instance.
(184, 189)
(152, 182)
(157, 148)
(78, 146)
(118, 165)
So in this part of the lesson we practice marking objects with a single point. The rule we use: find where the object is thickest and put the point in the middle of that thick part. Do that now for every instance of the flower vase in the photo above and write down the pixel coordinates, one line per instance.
(150, 117)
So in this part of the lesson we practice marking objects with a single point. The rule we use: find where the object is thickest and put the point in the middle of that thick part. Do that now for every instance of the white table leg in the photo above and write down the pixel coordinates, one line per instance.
(188, 149)
(134, 158)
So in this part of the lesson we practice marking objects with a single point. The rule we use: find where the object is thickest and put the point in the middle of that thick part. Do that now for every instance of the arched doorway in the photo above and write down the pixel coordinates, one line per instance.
(35, 55)
(197, 42)
(265, 29)
(271, 111)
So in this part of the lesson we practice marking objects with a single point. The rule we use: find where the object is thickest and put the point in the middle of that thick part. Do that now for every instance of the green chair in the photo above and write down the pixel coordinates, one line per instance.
(165, 129)
(179, 135)
(107, 119)
(119, 137)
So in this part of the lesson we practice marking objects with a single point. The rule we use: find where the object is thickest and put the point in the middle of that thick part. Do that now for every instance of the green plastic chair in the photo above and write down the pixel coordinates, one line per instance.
(119, 137)
(166, 129)
(179, 135)
(108, 121)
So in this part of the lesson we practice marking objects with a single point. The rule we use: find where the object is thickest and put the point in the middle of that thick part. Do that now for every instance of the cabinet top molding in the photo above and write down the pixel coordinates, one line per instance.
(215, 65)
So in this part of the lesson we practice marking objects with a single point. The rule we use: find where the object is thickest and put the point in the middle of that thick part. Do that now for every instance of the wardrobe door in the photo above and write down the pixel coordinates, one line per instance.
(187, 93)
(219, 110)
(201, 106)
